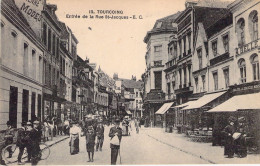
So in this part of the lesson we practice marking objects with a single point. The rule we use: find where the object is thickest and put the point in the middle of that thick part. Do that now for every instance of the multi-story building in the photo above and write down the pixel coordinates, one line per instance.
(156, 56)
(21, 68)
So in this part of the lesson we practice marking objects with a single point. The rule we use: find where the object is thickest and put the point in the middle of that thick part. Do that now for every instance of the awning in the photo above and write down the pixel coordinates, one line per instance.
(204, 100)
(241, 102)
(183, 105)
(164, 108)
(128, 112)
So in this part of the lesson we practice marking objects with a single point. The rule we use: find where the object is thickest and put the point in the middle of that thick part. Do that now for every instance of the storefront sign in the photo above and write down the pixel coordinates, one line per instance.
(32, 10)
(246, 88)
(247, 47)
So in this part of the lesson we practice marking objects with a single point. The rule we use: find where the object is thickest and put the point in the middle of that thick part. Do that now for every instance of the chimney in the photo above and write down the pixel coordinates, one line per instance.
(190, 3)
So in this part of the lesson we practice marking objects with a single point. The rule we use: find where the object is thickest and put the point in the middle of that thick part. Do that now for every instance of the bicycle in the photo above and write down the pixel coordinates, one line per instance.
(14, 149)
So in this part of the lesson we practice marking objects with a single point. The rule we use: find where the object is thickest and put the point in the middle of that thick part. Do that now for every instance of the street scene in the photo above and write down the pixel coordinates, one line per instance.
(147, 82)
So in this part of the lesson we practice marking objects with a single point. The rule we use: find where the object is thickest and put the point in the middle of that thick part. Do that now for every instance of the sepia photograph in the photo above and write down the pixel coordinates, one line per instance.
(129, 82)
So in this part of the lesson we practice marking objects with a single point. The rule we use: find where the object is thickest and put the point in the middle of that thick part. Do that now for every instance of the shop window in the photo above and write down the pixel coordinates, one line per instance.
(253, 25)
(215, 78)
(226, 43)
(226, 77)
(215, 48)
(242, 68)
(240, 28)
(255, 65)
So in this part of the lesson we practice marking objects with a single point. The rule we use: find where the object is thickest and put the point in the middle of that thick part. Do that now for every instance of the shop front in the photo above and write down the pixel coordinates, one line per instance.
(161, 115)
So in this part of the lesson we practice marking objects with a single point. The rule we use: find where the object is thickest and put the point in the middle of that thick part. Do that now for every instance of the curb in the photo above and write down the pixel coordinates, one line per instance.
(182, 150)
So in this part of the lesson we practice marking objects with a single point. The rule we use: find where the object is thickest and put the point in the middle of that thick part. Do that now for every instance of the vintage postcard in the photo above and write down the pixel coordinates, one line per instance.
(129, 82)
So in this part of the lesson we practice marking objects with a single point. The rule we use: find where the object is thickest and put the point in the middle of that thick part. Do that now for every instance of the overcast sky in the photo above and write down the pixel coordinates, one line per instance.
(115, 45)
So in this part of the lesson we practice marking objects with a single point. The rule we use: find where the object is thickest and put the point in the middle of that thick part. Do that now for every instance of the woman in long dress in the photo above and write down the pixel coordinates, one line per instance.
(75, 132)
(240, 143)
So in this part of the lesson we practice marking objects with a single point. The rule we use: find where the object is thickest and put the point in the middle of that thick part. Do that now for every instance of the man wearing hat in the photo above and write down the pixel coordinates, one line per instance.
(36, 139)
(115, 134)
(228, 132)
(100, 135)
(28, 139)
(90, 142)
(21, 141)
(9, 135)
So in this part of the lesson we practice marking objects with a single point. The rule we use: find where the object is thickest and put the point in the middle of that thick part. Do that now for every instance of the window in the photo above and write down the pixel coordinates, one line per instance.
(199, 53)
(157, 63)
(175, 49)
(226, 77)
(173, 85)
(180, 47)
(242, 68)
(215, 78)
(215, 48)
(157, 48)
(57, 48)
(169, 88)
(25, 59)
(203, 82)
(2, 40)
(241, 31)
(33, 64)
(44, 34)
(196, 84)
(49, 39)
(158, 80)
(40, 69)
(53, 44)
(184, 44)
(136, 94)
(180, 78)
(13, 42)
(226, 43)
(255, 26)
(185, 76)
(189, 40)
(255, 65)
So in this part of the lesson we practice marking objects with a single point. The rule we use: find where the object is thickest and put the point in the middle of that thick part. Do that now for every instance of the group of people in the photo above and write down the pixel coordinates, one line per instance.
(93, 130)
(29, 137)
(235, 134)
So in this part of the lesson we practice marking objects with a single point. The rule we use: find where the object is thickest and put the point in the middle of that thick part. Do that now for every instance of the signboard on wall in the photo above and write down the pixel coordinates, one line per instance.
(31, 10)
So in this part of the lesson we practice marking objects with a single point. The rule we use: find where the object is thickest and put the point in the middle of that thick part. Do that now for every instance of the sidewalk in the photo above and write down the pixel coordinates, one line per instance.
(205, 151)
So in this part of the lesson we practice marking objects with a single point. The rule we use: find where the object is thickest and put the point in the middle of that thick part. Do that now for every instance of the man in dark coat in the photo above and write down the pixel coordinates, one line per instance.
(100, 135)
(21, 142)
(115, 133)
(36, 140)
(228, 132)
(240, 142)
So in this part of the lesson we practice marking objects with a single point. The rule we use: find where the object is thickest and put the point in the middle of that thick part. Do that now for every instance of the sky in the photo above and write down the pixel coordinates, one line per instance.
(115, 45)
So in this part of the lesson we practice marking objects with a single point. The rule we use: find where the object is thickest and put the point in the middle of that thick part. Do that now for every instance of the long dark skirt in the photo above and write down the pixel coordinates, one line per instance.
(241, 147)
(229, 147)
(90, 147)
(74, 144)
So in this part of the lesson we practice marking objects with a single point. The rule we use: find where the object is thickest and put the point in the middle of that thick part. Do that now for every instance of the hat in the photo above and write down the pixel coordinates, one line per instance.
(8, 123)
(36, 122)
(28, 123)
(117, 120)
(241, 119)
(231, 119)
(23, 123)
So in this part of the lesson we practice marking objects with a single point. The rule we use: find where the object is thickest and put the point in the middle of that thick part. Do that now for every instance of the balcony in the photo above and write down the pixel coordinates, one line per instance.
(247, 47)
(219, 58)
(183, 90)
(171, 65)
(155, 95)
(157, 64)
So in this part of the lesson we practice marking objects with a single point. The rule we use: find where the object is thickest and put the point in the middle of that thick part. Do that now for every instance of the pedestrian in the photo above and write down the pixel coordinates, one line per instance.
(66, 127)
(75, 132)
(90, 142)
(228, 132)
(21, 142)
(36, 140)
(137, 125)
(8, 137)
(28, 139)
(240, 142)
(100, 135)
(115, 134)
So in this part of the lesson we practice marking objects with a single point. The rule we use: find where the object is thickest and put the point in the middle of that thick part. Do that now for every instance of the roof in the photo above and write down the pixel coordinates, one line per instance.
(18, 15)
(219, 24)
(163, 25)
(64, 32)
(131, 83)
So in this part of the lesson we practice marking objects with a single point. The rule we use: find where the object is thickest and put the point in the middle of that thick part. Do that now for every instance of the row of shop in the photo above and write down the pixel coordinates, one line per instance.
(208, 115)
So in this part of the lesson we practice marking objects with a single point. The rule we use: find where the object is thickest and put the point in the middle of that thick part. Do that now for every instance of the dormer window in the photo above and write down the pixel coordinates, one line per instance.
(159, 25)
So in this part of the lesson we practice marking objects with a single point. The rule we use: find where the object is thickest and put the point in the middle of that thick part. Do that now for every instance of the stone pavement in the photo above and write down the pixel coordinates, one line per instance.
(205, 151)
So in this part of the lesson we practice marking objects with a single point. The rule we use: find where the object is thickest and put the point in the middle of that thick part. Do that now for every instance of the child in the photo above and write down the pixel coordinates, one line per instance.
(90, 142)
